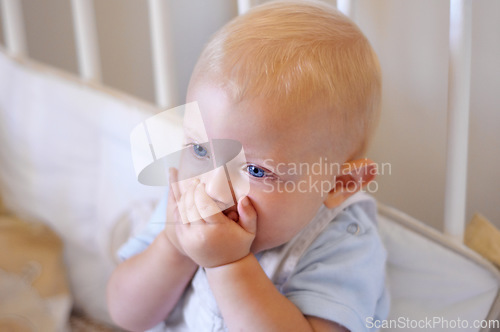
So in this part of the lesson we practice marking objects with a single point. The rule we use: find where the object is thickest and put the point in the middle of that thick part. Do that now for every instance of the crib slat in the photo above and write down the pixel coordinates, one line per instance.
(458, 117)
(243, 6)
(13, 26)
(347, 7)
(86, 40)
(161, 43)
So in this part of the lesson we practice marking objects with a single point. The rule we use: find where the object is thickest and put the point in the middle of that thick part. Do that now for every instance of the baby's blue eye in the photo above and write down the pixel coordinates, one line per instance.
(256, 171)
(199, 150)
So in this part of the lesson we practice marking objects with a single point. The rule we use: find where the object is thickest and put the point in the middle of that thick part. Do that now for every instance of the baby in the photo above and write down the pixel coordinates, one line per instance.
(298, 85)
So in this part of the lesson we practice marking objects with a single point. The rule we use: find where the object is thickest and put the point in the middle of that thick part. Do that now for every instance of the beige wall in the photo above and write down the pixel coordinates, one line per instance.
(411, 38)
(1, 28)
(49, 32)
(124, 44)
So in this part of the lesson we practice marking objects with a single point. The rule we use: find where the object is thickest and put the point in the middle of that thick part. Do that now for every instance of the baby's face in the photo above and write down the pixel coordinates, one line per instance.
(276, 144)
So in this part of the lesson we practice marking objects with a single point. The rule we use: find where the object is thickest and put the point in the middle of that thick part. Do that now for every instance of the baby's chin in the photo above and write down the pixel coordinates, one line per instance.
(264, 241)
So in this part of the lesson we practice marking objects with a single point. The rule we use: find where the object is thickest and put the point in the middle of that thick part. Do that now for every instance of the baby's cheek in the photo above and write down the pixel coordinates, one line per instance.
(268, 231)
(240, 186)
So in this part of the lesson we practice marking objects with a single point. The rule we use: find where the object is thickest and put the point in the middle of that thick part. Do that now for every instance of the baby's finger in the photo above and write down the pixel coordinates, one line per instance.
(172, 175)
(207, 208)
(172, 208)
(247, 215)
(174, 182)
(182, 208)
(190, 206)
(173, 214)
(174, 194)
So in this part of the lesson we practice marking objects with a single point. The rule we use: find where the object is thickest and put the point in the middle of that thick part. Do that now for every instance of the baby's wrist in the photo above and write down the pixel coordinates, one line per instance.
(233, 263)
(171, 250)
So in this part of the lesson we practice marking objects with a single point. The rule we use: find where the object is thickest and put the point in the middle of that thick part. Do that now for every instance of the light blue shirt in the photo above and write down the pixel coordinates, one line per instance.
(340, 277)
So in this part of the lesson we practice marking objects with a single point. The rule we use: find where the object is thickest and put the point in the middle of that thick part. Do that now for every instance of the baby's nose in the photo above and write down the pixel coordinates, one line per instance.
(217, 186)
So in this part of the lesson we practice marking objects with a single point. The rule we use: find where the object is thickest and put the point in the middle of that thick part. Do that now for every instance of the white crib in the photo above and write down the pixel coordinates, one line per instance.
(96, 202)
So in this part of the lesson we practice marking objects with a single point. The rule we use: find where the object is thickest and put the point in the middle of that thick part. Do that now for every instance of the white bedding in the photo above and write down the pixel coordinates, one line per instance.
(433, 279)
(65, 160)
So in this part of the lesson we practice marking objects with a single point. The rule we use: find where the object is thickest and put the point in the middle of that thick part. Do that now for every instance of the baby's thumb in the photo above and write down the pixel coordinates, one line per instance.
(247, 215)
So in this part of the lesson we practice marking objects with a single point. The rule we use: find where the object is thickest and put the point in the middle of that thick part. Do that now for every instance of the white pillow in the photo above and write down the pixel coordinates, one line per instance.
(430, 277)
(65, 160)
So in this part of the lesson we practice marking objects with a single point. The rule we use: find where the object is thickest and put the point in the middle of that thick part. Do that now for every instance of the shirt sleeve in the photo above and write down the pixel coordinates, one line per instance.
(141, 241)
(341, 277)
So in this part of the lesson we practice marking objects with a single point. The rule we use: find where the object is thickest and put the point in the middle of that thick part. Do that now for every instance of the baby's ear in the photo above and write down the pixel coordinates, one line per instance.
(353, 176)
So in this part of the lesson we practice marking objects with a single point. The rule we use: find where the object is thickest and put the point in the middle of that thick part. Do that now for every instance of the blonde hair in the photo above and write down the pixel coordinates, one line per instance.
(300, 54)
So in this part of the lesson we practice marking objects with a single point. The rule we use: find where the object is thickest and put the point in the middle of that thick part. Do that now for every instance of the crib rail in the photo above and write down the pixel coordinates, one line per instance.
(458, 94)
(162, 56)
(13, 26)
(348, 7)
(243, 6)
(458, 117)
(86, 40)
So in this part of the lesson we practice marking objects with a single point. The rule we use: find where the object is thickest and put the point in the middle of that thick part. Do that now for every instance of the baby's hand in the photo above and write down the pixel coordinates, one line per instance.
(214, 239)
(174, 219)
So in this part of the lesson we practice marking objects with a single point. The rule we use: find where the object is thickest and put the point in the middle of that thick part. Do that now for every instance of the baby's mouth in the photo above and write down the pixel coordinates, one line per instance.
(232, 213)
